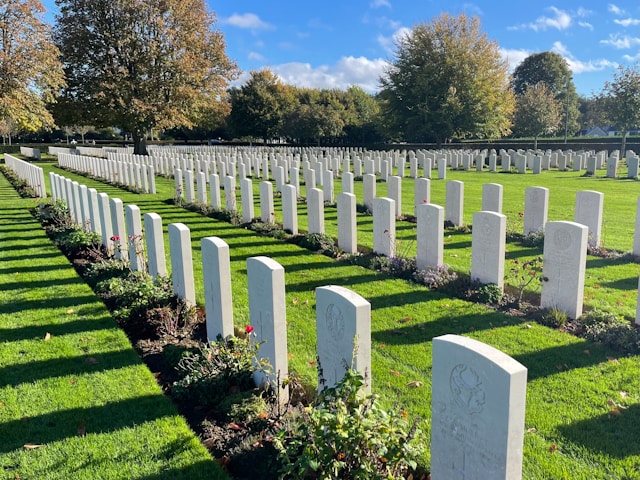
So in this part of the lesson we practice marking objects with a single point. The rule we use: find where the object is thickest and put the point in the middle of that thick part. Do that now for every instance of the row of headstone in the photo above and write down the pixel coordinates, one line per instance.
(32, 174)
(30, 152)
(133, 174)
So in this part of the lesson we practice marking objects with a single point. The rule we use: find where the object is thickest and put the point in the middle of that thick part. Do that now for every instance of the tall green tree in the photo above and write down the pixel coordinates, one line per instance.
(551, 69)
(537, 112)
(141, 64)
(258, 107)
(623, 95)
(447, 80)
(30, 71)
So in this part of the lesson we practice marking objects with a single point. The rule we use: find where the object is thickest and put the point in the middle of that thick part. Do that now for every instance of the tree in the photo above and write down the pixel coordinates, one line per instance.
(551, 69)
(623, 95)
(259, 106)
(8, 129)
(537, 112)
(82, 130)
(447, 80)
(30, 72)
(141, 64)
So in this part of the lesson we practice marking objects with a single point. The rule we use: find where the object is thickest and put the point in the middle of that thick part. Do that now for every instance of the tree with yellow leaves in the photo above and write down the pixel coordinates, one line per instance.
(141, 65)
(30, 71)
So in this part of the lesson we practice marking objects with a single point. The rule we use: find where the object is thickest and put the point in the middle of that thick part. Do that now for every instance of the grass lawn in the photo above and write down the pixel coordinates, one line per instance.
(582, 414)
(75, 400)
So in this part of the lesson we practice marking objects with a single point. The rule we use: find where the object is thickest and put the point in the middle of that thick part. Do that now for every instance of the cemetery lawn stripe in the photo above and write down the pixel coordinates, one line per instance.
(579, 425)
(76, 402)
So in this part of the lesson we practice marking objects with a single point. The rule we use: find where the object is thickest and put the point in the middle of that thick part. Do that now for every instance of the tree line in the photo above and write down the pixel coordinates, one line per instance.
(152, 67)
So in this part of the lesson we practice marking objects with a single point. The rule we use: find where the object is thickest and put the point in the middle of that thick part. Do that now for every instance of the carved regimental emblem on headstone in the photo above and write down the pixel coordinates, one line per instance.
(335, 322)
(561, 239)
(467, 391)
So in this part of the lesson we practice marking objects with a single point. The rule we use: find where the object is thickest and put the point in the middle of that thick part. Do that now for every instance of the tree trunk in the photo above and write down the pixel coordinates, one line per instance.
(139, 144)
(623, 147)
(535, 143)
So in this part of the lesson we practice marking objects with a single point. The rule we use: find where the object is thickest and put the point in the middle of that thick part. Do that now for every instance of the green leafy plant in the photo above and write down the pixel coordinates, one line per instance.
(605, 327)
(522, 274)
(553, 317)
(348, 435)
(217, 371)
(488, 293)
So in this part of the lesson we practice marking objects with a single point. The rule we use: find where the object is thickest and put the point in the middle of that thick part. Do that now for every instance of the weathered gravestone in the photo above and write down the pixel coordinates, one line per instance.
(290, 209)
(216, 270)
(134, 238)
(268, 317)
(315, 210)
(477, 411)
(343, 327)
(565, 257)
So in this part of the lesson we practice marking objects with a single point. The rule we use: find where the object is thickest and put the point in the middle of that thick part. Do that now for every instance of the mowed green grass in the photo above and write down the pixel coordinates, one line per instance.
(583, 399)
(76, 402)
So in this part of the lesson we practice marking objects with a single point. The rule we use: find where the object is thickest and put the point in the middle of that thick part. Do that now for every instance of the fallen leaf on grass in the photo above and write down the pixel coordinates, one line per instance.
(82, 431)
(294, 301)
(395, 373)
(622, 394)
(553, 448)
(532, 430)
(404, 320)
(586, 352)
(70, 311)
(415, 384)
(47, 337)
(615, 411)
(613, 360)
(234, 426)
(91, 360)
(32, 446)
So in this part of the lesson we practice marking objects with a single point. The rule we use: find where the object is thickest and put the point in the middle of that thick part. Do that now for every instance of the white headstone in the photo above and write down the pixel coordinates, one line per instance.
(492, 197)
(216, 270)
(394, 192)
(290, 209)
(589, 205)
(267, 213)
(119, 244)
(181, 262)
(477, 411)
(565, 257)
(230, 193)
(155, 245)
(135, 243)
(454, 202)
(214, 185)
(246, 194)
(430, 235)
(347, 223)
(369, 189)
(536, 206)
(343, 327)
(268, 317)
(487, 248)
(384, 226)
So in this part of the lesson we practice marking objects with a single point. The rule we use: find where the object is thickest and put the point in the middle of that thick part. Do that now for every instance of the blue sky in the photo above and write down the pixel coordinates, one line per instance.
(337, 43)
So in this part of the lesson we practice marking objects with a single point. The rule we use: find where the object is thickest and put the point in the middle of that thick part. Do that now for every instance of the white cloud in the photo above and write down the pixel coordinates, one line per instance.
(389, 43)
(583, 12)
(621, 41)
(256, 56)
(632, 58)
(578, 66)
(561, 20)
(249, 21)
(347, 71)
(514, 57)
(616, 10)
(586, 25)
(473, 9)
(380, 4)
(628, 22)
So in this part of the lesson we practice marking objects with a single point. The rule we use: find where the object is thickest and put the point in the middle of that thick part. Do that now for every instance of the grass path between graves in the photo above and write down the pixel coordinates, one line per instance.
(583, 401)
(76, 402)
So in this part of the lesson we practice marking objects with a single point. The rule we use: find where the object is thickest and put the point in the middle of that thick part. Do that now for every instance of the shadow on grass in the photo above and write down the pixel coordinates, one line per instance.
(61, 424)
(16, 258)
(33, 268)
(56, 330)
(39, 283)
(613, 433)
(16, 374)
(327, 280)
(622, 284)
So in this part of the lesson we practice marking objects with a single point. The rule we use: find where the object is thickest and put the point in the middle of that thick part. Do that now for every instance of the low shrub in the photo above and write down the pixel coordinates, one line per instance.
(436, 277)
(348, 435)
(487, 293)
(605, 327)
(216, 371)
(552, 317)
